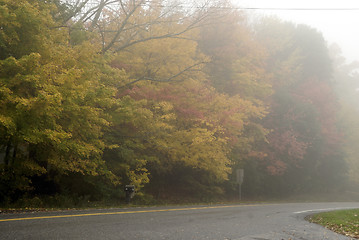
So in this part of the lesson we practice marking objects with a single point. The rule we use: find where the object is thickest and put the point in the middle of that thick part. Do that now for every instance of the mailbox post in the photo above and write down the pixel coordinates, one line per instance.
(239, 178)
(130, 192)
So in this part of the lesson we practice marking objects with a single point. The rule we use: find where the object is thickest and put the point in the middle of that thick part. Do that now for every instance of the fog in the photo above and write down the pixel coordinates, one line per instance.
(172, 99)
(337, 25)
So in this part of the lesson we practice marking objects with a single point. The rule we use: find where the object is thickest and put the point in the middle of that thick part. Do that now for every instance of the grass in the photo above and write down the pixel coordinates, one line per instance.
(345, 222)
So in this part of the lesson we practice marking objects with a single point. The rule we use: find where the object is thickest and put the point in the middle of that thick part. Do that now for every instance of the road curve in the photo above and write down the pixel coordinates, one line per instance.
(217, 222)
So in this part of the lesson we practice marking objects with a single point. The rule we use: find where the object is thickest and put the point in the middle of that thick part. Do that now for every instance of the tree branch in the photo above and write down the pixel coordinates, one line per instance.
(170, 79)
(122, 27)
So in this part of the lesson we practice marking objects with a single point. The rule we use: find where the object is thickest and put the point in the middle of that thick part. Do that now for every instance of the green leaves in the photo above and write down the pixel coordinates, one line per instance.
(25, 27)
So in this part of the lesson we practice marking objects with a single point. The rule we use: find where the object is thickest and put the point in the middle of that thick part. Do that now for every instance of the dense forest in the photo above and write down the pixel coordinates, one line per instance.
(172, 98)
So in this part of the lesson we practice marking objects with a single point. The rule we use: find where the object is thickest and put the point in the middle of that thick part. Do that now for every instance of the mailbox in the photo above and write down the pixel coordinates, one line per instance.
(130, 192)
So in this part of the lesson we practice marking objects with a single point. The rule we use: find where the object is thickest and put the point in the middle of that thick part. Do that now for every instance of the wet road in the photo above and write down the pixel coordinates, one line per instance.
(217, 222)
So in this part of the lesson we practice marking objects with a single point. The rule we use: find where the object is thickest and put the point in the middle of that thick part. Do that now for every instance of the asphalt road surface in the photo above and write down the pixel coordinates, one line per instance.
(217, 222)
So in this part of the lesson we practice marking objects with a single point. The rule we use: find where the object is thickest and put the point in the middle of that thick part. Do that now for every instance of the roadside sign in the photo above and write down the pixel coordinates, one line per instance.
(240, 176)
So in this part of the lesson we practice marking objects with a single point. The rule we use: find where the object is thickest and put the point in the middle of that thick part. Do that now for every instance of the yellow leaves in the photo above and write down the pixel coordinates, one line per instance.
(75, 104)
(250, 78)
(11, 67)
(198, 148)
(56, 136)
(139, 176)
(8, 123)
(31, 168)
(57, 102)
(201, 136)
(25, 28)
(166, 114)
(131, 111)
(163, 107)
(161, 59)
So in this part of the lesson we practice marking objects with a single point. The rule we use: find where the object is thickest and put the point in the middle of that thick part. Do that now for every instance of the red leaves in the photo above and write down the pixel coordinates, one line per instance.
(308, 117)
(321, 95)
(288, 143)
(284, 145)
(277, 168)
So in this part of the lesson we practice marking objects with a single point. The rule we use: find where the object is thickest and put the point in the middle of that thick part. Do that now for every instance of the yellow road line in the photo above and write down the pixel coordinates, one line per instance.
(117, 213)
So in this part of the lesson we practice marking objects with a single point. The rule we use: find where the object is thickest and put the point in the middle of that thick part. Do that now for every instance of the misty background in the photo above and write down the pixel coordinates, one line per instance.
(173, 98)
(333, 18)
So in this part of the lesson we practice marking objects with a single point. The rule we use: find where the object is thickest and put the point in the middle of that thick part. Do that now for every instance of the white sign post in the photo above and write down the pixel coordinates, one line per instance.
(240, 177)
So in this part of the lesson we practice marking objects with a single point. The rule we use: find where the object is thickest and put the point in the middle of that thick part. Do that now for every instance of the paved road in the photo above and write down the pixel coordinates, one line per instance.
(240, 222)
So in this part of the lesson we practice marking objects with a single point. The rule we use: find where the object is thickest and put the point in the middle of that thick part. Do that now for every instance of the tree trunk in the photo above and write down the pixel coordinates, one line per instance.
(14, 153)
(7, 152)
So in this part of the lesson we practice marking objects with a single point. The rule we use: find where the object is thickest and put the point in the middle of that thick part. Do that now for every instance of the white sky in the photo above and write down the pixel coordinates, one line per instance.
(337, 26)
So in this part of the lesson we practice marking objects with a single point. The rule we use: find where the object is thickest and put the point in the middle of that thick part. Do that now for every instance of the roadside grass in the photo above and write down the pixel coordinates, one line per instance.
(345, 222)
(62, 202)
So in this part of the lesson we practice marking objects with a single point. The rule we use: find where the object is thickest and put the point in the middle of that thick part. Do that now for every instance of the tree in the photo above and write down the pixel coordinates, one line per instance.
(238, 70)
(346, 84)
(305, 144)
(53, 107)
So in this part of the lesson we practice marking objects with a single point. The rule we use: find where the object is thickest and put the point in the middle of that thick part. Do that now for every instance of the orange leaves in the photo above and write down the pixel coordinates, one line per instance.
(277, 168)
(288, 143)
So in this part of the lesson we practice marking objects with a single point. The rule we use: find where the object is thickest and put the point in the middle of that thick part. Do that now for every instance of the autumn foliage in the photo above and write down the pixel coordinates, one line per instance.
(169, 98)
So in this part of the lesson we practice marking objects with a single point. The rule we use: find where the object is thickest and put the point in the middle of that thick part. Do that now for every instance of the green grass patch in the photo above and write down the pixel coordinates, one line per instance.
(345, 222)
